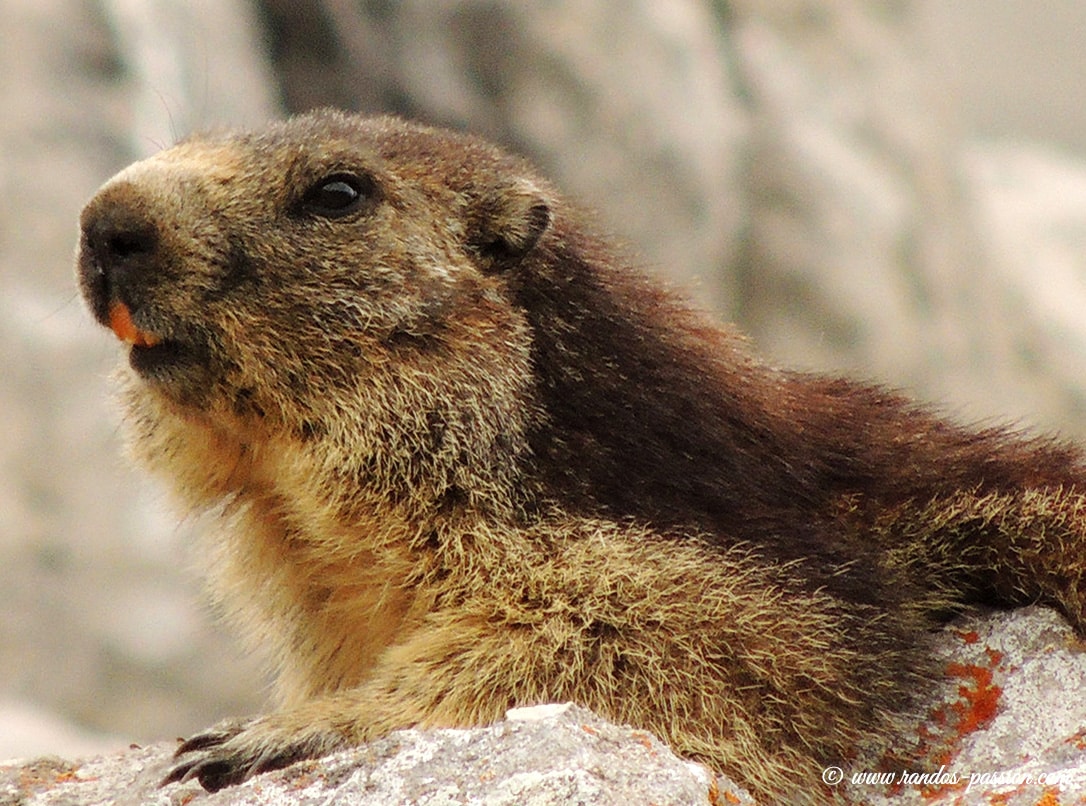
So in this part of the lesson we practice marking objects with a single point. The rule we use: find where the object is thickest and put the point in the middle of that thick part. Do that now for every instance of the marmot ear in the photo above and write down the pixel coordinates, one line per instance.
(511, 221)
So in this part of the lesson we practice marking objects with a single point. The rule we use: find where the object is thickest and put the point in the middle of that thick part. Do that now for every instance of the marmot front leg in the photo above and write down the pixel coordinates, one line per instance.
(235, 750)
(773, 679)
(412, 687)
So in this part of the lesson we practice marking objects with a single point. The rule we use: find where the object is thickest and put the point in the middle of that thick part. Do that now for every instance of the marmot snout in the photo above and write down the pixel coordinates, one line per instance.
(468, 459)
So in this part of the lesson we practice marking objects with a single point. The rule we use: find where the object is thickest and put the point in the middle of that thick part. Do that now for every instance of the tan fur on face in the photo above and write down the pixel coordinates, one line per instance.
(466, 459)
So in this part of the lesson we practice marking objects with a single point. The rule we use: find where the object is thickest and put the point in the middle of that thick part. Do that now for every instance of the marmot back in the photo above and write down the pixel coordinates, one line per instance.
(468, 459)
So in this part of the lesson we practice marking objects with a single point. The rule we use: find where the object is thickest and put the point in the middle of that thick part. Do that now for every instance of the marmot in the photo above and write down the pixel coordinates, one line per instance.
(467, 458)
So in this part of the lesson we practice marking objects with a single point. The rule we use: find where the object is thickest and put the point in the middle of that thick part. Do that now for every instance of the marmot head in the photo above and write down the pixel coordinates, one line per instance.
(432, 312)
(327, 274)
(313, 250)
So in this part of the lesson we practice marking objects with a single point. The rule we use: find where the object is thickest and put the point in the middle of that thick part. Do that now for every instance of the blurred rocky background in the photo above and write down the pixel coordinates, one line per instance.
(888, 188)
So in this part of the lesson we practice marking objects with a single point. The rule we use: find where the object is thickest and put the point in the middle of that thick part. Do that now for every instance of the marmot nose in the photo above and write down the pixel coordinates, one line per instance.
(118, 248)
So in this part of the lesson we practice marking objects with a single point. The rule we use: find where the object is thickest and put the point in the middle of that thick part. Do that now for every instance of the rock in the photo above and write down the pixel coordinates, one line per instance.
(558, 754)
(1009, 726)
(1006, 727)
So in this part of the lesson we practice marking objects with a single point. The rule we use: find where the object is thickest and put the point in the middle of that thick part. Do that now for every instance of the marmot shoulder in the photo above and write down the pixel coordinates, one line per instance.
(467, 458)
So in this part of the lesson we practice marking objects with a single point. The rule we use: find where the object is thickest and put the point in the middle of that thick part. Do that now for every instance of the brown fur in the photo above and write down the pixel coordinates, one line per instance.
(467, 459)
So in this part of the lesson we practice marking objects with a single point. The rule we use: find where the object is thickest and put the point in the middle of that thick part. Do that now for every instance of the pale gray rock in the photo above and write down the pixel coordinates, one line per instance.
(549, 755)
(1006, 726)
(1009, 725)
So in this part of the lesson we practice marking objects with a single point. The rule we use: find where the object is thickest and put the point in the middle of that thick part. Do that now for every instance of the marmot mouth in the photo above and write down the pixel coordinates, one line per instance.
(151, 354)
(120, 322)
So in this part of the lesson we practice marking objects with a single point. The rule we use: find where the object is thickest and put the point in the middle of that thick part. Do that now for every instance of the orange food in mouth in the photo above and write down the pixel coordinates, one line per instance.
(120, 322)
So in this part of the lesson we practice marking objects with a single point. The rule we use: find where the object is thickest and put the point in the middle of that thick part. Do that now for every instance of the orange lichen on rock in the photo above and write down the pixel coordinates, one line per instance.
(947, 724)
(978, 703)
(1078, 739)
(719, 797)
(968, 636)
(643, 738)
(45, 773)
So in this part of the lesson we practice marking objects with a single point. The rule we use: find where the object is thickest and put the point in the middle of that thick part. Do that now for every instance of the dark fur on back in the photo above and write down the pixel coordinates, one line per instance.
(656, 415)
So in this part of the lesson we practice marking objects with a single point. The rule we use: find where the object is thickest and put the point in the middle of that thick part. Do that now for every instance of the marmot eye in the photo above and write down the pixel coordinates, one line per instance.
(339, 195)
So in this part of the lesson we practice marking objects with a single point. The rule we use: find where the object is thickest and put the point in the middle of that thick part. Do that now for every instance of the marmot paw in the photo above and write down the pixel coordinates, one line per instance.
(236, 750)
